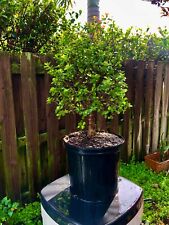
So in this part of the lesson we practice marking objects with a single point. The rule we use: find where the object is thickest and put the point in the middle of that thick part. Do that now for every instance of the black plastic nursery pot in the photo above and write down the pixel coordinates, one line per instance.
(93, 171)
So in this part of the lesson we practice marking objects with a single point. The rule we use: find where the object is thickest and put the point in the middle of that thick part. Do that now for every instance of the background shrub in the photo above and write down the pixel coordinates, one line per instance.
(7, 209)
(29, 214)
(28, 25)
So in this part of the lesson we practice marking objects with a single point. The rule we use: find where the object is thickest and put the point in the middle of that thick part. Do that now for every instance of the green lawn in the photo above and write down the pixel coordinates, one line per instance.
(156, 191)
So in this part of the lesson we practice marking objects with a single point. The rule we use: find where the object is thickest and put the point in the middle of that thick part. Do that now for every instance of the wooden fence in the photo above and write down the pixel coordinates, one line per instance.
(31, 152)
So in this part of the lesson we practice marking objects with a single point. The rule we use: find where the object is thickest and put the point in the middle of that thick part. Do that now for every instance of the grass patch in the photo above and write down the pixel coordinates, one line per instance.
(156, 191)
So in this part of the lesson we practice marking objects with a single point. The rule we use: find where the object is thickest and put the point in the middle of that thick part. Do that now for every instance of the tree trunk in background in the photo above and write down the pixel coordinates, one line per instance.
(92, 10)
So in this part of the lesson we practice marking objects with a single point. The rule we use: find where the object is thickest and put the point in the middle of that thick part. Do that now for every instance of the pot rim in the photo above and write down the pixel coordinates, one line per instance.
(91, 150)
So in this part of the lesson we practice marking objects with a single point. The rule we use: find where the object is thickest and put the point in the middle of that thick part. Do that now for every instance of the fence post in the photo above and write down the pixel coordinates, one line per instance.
(156, 111)
(165, 99)
(127, 125)
(138, 109)
(148, 107)
(29, 96)
(9, 142)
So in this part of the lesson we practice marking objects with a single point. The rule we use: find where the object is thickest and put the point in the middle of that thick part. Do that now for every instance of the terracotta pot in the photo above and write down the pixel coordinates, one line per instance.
(153, 162)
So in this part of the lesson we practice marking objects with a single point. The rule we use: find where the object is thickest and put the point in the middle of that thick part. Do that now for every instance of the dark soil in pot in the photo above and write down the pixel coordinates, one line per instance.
(93, 165)
(100, 140)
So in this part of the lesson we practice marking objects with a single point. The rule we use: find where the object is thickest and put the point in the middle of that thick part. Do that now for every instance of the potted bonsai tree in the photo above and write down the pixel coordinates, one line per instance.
(159, 160)
(87, 78)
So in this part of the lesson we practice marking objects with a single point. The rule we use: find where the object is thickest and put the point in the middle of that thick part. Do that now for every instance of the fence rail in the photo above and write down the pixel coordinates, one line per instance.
(31, 152)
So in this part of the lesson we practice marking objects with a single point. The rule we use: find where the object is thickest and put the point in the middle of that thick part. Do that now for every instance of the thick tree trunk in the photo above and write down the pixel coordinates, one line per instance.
(93, 10)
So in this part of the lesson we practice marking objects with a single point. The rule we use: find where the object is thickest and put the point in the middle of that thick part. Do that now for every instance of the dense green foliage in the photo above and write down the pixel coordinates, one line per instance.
(30, 214)
(158, 45)
(140, 44)
(7, 209)
(28, 25)
(33, 25)
(15, 214)
(156, 191)
(88, 75)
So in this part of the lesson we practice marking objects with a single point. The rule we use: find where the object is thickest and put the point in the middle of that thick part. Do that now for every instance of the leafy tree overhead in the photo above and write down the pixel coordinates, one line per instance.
(65, 3)
(28, 25)
(162, 4)
(158, 2)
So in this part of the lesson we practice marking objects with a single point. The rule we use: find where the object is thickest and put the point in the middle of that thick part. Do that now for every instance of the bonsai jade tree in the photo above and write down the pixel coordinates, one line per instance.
(87, 78)
(88, 75)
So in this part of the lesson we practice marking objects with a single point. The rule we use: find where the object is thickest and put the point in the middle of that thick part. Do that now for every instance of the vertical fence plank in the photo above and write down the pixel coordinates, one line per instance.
(9, 143)
(101, 123)
(127, 124)
(2, 177)
(115, 124)
(138, 107)
(28, 81)
(156, 111)
(165, 99)
(70, 123)
(148, 95)
(53, 142)
(41, 97)
(17, 96)
(70, 126)
(42, 122)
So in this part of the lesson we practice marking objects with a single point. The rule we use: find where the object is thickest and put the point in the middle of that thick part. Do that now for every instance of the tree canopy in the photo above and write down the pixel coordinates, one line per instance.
(162, 4)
